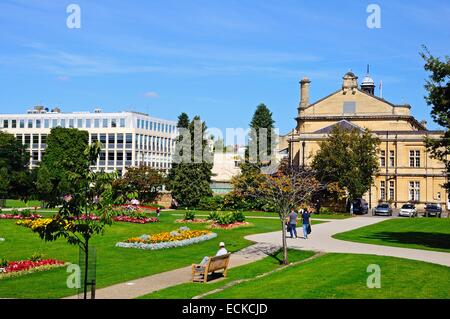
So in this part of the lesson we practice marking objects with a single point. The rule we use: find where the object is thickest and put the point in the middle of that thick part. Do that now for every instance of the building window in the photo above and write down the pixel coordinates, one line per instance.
(27, 140)
(22, 123)
(105, 123)
(111, 140)
(30, 123)
(103, 139)
(129, 140)
(5, 124)
(88, 123)
(13, 123)
(79, 123)
(391, 190)
(138, 123)
(94, 138)
(122, 122)
(63, 123)
(414, 191)
(71, 123)
(383, 190)
(38, 123)
(414, 158)
(382, 158)
(46, 123)
(391, 158)
(97, 123)
(54, 123)
(113, 123)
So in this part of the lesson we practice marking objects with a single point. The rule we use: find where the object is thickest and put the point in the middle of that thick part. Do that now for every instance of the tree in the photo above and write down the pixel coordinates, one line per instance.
(349, 158)
(262, 126)
(290, 187)
(64, 154)
(14, 160)
(144, 181)
(190, 176)
(91, 192)
(438, 88)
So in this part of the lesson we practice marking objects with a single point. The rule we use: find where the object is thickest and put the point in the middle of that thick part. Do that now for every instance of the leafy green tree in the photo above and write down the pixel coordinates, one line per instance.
(64, 154)
(438, 88)
(91, 192)
(14, 159)
(143, 181)
(349, 158)
(189, 179)
(262, 119)
(4, 183)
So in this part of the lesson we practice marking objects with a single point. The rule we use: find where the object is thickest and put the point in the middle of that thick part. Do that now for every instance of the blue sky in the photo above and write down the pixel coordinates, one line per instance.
(218, 59)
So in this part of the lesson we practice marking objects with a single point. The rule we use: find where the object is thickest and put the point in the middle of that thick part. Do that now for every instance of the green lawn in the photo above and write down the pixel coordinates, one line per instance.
(418, 233)
(15, 203)
(189, 290)
(337, 276)
(114, 264)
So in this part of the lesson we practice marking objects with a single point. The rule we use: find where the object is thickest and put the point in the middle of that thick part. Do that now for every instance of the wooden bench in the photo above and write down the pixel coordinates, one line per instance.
(200, 272)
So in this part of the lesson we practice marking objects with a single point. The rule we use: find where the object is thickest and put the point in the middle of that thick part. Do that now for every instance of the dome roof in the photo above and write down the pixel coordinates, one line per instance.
(368, 80)
(349, 74)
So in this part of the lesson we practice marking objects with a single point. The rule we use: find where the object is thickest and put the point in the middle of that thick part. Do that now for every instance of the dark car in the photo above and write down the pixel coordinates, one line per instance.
(433, 210)
(360, 206)
(383, 209)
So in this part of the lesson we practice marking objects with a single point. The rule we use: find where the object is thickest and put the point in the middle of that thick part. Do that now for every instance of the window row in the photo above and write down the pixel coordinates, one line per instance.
(414, 158)
(387, 190)
(65, 123)
(154, 143)
(155, 126)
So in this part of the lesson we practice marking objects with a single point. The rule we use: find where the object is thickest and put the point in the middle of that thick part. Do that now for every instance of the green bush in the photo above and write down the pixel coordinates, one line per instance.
(238, 216)
(225, 219)
(15, 211)
(3, 263)
(213, 216)
(25, 213)
(211, 203)
(36, 257)
(189, 215)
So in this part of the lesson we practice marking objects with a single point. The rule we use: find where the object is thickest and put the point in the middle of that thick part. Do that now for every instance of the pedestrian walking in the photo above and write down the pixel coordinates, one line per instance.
(306, 223)
(293, 220)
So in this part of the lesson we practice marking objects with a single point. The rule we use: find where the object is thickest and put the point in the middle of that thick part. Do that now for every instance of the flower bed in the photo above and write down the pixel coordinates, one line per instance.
(229, 226)
(15, 216)
(178, 238)
(23, 267)
(135, 220)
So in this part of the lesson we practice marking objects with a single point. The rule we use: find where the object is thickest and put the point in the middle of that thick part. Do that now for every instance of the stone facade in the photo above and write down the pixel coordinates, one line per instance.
(407, 172)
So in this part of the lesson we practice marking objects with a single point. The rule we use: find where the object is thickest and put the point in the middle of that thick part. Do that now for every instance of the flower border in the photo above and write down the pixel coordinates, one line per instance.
(168, 244)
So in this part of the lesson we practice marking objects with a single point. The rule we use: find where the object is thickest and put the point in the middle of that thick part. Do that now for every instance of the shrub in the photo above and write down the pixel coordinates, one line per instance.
(238, 216)
(213, 216)
(211, 203)
(3, 263)
(225, 219)
(36, 257)
(15, 211)
(189, 215)
(25, 213)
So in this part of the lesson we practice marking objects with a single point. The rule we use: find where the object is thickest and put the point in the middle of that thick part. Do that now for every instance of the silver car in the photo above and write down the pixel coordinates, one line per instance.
(383, 209)
(408, 210)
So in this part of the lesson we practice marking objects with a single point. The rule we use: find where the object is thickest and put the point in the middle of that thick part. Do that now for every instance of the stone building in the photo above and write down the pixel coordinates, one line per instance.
(407, 172)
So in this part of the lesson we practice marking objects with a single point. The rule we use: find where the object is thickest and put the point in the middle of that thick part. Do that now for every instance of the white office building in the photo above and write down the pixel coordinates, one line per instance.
(128, 138)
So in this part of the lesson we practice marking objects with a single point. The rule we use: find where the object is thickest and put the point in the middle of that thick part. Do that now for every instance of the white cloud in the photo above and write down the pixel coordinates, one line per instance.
(151, 94)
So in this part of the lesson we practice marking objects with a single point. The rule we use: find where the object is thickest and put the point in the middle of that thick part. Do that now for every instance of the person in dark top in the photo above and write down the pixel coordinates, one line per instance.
(306, 222)
(293, 220)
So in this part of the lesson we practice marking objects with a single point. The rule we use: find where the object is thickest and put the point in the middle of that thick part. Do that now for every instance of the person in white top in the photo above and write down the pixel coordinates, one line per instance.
(222, 251)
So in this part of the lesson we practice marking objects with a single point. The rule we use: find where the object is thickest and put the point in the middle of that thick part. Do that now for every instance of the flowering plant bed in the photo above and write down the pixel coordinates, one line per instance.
(229, 226)
(136, 220)
(15, 216)
(177, 238)
(23, 267)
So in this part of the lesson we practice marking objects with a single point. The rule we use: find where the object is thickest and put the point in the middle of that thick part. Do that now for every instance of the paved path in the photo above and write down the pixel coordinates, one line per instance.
(143, 286)
(321, 240)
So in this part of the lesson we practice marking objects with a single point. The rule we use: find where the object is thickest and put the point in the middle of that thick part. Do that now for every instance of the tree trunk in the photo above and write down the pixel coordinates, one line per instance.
(86, 261)
(285, 248)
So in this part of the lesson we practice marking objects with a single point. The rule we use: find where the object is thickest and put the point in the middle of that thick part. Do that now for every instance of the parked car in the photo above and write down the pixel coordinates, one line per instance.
(383, 209)
(408, 210)
(360, 206)
(433, 210)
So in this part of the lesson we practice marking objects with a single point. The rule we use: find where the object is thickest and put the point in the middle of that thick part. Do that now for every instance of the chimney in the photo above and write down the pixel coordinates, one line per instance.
(304, 92)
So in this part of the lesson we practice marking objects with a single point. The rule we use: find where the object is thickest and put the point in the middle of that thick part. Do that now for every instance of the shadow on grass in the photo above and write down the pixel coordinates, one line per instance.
(431, 240)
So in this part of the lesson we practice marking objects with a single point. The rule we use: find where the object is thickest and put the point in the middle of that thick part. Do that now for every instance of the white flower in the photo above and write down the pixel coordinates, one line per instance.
(2, 239)
(169, 244)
